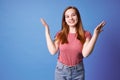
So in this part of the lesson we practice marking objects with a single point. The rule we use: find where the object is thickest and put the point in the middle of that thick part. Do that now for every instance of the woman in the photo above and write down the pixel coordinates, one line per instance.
(73, 43)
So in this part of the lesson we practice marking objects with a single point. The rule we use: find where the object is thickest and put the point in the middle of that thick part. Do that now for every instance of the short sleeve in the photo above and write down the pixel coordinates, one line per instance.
(56, 34)
(88, 34)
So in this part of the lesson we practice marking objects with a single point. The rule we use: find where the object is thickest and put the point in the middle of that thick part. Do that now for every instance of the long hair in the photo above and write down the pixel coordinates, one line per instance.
(63, 34)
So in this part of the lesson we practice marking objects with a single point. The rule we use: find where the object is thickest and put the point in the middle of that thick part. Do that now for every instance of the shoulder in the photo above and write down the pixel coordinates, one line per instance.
(57, 33)
(88, 34)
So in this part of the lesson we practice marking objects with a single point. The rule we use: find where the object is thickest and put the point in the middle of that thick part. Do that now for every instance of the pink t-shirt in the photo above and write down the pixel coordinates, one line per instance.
(71, 52)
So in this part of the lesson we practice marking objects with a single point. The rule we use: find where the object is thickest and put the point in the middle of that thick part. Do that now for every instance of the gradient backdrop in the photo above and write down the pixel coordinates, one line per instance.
(23, 51)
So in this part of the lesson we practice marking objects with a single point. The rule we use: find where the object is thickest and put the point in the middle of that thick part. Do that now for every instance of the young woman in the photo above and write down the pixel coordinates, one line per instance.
(73, 43)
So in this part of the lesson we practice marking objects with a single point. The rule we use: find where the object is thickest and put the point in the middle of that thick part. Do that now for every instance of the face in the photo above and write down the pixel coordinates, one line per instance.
(71, 17)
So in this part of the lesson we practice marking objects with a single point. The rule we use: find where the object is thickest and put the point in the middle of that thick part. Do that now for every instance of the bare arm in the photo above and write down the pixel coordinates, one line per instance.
(52, 45)
(90, 43)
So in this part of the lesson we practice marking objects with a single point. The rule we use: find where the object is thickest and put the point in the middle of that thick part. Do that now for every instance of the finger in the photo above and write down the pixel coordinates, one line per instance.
(101, 25)
(42, 20)
(101, 30)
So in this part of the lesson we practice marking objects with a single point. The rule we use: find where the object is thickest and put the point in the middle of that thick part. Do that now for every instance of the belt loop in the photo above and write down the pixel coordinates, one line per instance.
(76, 67)
(62, 66)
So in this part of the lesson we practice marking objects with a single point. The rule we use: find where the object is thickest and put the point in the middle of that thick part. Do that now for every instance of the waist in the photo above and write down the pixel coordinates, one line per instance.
(70, 62)
(62, 65)
(70, 58)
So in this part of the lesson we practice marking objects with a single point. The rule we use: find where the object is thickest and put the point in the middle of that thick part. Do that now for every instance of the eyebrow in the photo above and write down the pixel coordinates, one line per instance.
(72, 14)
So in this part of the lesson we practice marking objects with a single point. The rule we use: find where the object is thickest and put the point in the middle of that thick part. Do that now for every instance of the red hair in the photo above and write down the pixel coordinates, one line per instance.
(62, 36)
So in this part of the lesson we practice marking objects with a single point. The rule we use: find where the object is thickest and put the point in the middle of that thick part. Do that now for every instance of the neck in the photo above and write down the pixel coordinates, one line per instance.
(72, 30)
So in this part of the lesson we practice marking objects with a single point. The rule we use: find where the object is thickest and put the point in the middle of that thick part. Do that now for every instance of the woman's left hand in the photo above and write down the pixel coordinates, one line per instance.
(99, 29)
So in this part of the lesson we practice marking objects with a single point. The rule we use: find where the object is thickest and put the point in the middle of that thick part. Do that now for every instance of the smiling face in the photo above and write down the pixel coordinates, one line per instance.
(71, 17)
(71, 20)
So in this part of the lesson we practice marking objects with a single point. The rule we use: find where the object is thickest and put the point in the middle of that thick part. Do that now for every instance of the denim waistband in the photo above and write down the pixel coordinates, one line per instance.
(61, 65)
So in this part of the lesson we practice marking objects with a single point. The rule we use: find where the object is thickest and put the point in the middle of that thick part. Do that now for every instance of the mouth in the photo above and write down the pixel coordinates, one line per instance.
(71, 21)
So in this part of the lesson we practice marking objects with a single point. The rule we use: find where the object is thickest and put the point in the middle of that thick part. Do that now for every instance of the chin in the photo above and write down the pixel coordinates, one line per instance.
(72, 25)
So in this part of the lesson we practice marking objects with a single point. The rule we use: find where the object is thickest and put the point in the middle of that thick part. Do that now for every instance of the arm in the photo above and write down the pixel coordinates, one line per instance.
(52, 45)
(90, 43)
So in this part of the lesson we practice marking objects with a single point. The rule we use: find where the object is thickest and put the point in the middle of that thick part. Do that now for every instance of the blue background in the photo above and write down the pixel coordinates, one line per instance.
(23, 51)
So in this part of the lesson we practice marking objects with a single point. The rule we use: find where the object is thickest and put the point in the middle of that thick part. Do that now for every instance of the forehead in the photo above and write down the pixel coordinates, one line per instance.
(70, 11)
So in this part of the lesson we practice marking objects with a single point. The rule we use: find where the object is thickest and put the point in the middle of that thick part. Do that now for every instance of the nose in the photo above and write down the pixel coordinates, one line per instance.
(70, 17)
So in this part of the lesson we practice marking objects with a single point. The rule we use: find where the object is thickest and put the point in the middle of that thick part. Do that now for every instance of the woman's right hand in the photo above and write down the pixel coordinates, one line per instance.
(44, 24)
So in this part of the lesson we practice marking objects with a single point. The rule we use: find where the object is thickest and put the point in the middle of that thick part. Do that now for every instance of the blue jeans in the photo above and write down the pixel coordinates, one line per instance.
(64, 72)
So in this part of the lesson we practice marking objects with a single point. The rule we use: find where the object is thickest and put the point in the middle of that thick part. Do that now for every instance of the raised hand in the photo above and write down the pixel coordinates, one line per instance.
(44, 24)
(99, 27)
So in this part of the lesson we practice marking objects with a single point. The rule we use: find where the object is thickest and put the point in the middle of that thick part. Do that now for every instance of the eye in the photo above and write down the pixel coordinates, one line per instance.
(66, 16)
(74, 15)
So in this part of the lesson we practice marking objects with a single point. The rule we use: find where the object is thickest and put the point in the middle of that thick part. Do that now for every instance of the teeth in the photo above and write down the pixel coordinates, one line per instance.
(71, 21)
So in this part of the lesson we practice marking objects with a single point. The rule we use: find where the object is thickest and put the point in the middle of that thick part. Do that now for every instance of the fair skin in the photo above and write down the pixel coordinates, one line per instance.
(71, 19)
(52, 45)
